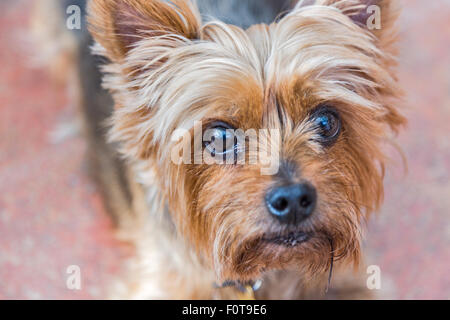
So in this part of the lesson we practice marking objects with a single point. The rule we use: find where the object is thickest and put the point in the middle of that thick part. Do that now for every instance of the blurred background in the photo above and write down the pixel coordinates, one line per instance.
(52, 216)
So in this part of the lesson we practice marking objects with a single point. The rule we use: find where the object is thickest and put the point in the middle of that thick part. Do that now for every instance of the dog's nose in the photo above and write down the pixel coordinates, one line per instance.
(292, 204)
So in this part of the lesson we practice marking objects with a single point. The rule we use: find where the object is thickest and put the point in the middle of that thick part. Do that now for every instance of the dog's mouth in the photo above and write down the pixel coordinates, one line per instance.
(291, 239)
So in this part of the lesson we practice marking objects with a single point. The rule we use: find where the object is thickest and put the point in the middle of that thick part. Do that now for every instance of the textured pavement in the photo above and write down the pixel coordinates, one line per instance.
(51, 215)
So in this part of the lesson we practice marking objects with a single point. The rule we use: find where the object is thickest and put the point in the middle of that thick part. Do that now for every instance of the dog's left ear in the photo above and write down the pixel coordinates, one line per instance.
(119, 24)
(368, 14)
(376, 16)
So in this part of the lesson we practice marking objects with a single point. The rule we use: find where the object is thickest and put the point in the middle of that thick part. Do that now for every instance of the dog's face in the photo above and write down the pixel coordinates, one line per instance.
(317, 77)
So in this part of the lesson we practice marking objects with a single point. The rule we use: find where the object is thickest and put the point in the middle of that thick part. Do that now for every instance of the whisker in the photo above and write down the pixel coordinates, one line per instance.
(331, 264)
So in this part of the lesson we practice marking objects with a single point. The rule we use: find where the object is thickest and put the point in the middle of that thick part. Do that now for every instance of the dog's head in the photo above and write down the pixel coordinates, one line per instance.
(316, 85)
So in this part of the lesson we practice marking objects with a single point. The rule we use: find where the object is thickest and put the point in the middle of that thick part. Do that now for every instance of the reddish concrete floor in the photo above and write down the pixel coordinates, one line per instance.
(51, 215)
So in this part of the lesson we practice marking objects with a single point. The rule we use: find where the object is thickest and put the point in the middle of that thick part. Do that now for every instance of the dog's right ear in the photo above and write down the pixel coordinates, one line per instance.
(119, 24)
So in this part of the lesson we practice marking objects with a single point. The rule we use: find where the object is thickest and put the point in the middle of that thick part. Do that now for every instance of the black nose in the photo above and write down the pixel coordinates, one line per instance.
(292, 204)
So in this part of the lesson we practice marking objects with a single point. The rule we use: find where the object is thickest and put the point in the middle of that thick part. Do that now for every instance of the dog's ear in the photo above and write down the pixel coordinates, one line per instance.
(369, 14)
(119, 24)
(377, 16)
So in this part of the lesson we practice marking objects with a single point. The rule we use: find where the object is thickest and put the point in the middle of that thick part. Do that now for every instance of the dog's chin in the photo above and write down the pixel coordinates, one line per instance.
(287, 240)
(271, 251)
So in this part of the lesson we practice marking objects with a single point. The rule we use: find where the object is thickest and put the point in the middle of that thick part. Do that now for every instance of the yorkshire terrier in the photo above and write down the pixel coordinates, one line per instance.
(315, 76)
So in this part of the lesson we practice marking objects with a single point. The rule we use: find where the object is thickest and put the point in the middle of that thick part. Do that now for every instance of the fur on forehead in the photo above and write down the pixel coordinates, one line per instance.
(173, 70)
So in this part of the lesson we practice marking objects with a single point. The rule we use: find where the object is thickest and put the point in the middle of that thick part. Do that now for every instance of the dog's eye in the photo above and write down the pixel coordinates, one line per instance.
(328, 124)
(220, 140)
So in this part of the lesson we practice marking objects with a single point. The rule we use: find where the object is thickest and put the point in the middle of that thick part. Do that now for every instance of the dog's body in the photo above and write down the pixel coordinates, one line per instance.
(196, 227)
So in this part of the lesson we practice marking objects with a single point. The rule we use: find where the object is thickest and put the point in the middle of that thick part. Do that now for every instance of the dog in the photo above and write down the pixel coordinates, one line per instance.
(312, 75)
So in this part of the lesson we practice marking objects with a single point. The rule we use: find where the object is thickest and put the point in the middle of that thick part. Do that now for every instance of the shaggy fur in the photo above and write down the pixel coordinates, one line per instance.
(196, 225)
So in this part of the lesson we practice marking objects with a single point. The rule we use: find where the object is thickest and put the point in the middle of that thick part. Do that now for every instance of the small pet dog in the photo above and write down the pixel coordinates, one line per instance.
(316, 75)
